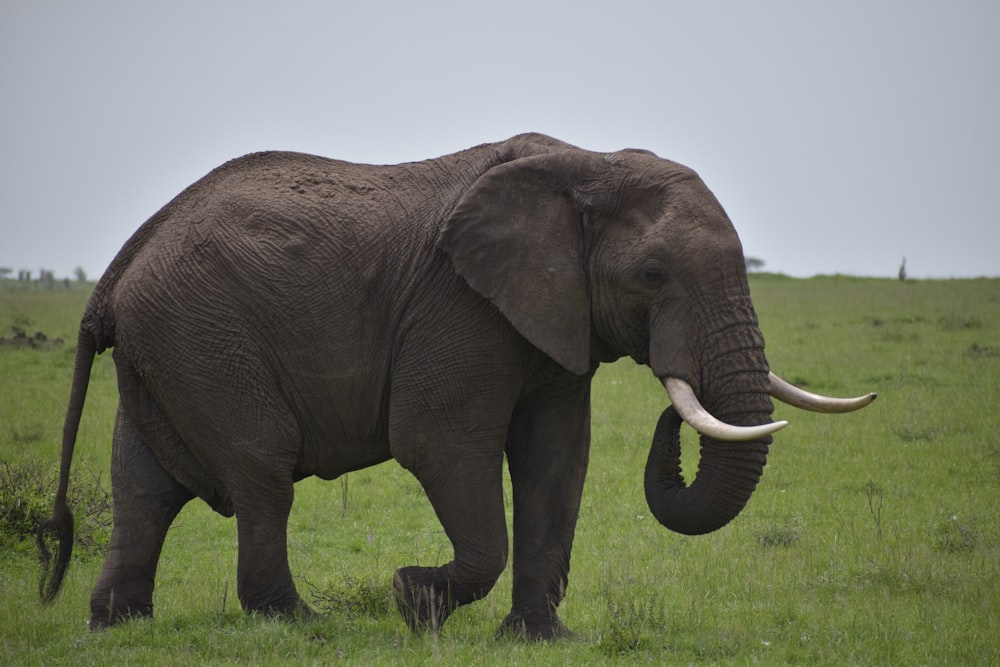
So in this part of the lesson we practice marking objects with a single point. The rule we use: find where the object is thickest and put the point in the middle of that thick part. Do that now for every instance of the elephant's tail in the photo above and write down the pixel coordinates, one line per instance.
(60, 523)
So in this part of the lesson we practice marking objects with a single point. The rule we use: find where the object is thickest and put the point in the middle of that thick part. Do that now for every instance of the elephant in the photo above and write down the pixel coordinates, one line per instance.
(290, 315)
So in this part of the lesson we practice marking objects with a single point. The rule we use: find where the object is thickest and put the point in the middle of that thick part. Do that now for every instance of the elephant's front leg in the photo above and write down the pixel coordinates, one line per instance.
(547, 451)
(465, 487)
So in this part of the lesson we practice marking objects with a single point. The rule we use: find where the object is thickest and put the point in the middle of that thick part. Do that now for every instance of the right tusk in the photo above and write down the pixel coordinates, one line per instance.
(799, 398)
(691, 410)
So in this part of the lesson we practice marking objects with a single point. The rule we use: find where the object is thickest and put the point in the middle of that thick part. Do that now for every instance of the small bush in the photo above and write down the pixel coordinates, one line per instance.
(977, 351)
(354, 597)
(955, 536)
(27, 491)
(958, 323)
(784, 535)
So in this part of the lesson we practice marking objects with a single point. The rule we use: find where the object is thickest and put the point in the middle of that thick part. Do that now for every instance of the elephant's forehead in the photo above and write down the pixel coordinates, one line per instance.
(649, 166)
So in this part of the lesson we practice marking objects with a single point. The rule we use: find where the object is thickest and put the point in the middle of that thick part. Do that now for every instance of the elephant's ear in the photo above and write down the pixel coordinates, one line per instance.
(516, 237)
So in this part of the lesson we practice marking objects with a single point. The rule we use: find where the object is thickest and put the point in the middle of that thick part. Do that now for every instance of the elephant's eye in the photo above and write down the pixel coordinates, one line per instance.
(652, 276)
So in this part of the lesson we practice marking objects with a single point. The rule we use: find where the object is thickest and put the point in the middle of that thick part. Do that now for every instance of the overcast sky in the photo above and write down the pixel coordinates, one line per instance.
(838, 136)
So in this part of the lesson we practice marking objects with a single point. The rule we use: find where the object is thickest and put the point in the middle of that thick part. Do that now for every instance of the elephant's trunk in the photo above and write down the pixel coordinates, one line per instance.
(719, 384)
(735, 426)
(727, 475)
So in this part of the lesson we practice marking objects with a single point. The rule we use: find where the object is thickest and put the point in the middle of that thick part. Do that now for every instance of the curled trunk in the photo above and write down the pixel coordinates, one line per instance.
(722, 387)
(728, 473)
(733, 449)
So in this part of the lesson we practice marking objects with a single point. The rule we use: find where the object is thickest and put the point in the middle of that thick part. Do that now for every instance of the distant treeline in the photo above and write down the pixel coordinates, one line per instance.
(44, 278)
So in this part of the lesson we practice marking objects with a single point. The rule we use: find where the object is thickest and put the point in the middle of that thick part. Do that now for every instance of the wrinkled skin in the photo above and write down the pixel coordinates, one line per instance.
(289, 315)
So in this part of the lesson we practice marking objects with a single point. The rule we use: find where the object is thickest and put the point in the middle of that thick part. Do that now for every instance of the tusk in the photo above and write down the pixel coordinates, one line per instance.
(690, 409)
(799, 398)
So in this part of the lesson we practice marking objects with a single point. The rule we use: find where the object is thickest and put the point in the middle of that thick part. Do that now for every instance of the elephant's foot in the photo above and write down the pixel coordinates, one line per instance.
(105, 613)
(425, 597)
(534, 627)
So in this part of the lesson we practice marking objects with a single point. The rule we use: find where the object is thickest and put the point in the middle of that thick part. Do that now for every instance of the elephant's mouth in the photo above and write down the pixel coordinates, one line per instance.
(690, 409)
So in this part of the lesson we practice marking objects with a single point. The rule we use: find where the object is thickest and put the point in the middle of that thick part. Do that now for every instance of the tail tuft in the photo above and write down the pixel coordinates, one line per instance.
(54, 568)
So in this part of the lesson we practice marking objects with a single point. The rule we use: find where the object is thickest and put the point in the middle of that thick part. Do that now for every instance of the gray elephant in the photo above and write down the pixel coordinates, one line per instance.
(290, 315)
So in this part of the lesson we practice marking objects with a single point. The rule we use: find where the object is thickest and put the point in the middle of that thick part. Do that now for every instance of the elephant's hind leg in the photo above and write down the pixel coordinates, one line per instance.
(264, 580)
(262, 447)
(146, 501)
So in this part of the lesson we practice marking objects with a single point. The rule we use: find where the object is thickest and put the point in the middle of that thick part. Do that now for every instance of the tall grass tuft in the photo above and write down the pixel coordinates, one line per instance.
(634, 623)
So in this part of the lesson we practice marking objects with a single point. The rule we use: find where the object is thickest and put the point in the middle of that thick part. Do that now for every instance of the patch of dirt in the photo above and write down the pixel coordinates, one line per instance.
(39, 340)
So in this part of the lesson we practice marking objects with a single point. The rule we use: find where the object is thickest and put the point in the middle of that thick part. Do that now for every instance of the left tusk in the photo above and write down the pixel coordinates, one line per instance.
(691, 410)
(799, 398)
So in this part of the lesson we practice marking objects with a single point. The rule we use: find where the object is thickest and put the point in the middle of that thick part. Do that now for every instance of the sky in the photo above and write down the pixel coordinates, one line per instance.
(840, 137)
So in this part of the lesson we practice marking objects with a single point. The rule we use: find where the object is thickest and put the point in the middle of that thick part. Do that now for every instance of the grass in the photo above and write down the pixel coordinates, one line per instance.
(872, 538)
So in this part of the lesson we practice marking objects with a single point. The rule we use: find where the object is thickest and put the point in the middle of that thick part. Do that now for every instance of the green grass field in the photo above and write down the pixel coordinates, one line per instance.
(873, 537)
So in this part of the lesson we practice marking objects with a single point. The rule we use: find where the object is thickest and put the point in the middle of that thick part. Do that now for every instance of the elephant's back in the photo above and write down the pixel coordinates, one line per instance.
(275, 222)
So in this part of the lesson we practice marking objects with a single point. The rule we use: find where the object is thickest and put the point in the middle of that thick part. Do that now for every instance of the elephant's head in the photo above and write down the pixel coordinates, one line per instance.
(597, 256)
